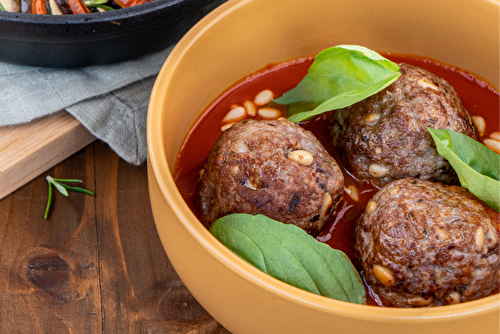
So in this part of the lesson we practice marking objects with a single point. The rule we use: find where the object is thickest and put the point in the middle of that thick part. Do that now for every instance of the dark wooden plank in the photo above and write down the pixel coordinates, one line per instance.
(97, 265)
(49, 275)
(141, 293)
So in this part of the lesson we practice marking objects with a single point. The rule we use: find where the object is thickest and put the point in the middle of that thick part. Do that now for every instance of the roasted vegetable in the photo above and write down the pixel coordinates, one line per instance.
(65, 7)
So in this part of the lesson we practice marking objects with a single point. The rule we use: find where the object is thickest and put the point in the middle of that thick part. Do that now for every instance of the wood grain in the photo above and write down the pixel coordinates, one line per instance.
(97, 264)
(27, 150)
(49, 273)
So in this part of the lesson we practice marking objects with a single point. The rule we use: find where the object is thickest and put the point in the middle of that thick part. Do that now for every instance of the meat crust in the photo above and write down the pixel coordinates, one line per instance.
(248, 171)
(385, 137)
(427, 244)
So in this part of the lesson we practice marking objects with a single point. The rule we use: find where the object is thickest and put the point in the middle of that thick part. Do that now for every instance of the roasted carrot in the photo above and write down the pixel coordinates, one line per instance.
(78, 7)
(130, 3)
(38, 7)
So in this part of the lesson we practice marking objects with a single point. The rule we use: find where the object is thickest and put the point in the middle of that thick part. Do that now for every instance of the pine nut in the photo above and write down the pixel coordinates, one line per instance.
(443, 235)
(326, 204)
(301, 157)
(269, 113)
(352, 191)
(495, 136)
(377, 170)
(393, 191)
(384, 275)
(239, 147)
(454, 297)
(234, 115)
(420, 301)
(480, 124)
(372, 118)
(493, 145)
(426, 84)
(479, 238)
(263, 97)
(226, 126)
(250, 108)
(371, 206)
(378, 150)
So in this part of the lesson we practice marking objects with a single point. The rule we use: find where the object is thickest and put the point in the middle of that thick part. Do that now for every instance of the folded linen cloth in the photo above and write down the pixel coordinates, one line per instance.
(111, 101)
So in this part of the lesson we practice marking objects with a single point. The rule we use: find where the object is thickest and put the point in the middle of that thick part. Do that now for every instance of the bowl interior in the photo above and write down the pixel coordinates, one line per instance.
(241, 37)
(245, 38)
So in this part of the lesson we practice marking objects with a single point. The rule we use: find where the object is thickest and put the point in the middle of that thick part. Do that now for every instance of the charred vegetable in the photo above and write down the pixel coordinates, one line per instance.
(65, 7)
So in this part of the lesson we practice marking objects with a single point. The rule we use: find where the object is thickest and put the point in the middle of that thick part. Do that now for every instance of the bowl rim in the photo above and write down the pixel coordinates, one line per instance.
(157, 159)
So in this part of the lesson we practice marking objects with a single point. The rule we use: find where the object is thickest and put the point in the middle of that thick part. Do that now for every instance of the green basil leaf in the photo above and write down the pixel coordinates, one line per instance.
(339, 77)
(289, 254)
(477, 166)
(341, 101)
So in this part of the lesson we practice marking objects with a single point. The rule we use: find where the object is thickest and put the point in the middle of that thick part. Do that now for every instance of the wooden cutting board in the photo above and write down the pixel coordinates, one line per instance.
(30, 149)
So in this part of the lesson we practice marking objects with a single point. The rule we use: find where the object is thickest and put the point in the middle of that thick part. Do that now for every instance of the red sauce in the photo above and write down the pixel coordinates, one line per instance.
(478, 97)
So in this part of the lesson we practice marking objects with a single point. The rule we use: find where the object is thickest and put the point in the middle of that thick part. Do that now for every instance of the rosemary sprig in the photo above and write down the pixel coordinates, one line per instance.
(63, 189)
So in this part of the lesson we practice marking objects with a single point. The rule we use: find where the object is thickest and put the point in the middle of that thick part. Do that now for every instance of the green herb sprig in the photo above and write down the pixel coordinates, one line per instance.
(63, 189)
(2, 8)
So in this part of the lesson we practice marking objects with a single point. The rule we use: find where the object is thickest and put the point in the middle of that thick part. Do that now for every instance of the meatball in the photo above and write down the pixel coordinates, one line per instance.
(274, 168)
(421, 244)
(384, 137)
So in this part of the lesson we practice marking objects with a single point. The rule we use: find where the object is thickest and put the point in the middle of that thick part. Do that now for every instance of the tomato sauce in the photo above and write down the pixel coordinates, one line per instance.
(478, 97)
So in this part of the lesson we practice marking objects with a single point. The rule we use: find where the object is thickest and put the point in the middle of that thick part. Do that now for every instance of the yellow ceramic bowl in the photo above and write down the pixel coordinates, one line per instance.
(243, 36)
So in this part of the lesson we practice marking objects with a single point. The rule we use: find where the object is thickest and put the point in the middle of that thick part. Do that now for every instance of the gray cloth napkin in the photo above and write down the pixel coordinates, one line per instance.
(111, 101)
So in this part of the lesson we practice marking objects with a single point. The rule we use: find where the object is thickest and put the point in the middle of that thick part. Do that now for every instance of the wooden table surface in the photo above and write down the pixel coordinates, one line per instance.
(97, 264)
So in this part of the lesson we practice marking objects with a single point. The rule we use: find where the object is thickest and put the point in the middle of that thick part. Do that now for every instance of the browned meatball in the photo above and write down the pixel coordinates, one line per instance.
(249, 170)
(384, 137)
(428, 244)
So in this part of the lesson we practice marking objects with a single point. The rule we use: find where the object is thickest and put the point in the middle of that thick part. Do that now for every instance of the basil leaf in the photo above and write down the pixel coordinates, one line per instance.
(477, 166)
(289, 254)
(339, 77)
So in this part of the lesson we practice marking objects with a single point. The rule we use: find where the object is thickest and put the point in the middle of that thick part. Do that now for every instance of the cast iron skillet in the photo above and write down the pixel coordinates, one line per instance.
(97, 38)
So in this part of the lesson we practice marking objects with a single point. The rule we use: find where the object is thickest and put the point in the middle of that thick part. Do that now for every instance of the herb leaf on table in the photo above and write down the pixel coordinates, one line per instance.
(289, 254)
(63, 189)
(339, 77)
